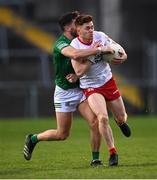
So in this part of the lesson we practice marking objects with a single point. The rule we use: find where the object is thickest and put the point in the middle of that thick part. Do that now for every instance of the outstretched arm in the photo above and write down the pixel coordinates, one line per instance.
(76, 54)
(73, 53)
(83, 64)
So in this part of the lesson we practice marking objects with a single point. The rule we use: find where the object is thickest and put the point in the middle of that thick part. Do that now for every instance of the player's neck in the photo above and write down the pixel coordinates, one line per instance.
(68, 35)
(85, 41)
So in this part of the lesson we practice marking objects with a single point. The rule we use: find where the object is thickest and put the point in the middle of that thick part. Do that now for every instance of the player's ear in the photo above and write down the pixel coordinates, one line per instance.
(78, 29)
(67, 28)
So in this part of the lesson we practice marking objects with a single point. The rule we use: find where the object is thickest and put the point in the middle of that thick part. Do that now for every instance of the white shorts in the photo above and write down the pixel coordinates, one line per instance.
(67, 100)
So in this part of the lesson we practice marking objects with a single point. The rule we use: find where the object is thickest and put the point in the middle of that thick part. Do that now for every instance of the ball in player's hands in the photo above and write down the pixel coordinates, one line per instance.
(118, 53)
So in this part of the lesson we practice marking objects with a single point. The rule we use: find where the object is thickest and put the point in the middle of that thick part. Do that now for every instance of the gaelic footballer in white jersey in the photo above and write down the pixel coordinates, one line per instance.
(99, 73)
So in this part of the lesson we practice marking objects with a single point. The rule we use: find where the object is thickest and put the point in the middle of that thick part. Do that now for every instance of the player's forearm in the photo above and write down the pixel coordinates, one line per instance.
(84, 53)
(77, 54)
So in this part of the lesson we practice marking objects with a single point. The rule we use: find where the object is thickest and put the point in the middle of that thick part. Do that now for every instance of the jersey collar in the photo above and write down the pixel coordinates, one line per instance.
(88, 44)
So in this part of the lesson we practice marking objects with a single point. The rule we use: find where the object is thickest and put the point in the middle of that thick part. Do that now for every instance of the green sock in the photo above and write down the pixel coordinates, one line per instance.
(95, 155)
(34, 138)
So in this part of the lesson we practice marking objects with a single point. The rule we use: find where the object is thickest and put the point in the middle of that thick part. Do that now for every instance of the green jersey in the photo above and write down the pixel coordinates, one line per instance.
(62, 64)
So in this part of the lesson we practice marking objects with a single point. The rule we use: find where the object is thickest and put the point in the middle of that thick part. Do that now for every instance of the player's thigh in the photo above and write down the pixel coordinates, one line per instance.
(86, 112)
(117, 107)
(64, 121)
(97, 103)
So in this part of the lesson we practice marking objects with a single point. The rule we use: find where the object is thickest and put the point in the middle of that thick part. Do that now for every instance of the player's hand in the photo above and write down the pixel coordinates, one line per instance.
(107, 49)
(72, 78)
(96, 44)
(117, 61)
(123, 55)
(123, 58)
(119, 55)
(102, 50)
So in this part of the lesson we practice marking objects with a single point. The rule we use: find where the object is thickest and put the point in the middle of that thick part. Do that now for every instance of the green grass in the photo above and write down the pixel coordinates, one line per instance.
(71, 158)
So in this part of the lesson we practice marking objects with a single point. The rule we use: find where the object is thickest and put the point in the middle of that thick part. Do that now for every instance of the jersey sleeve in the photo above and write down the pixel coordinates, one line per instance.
(74, 44)
(106, 38)
(60, 45)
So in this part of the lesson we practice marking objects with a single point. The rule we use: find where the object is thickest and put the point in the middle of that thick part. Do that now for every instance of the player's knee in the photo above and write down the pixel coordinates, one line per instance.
(94, 124)
(122, 118)
(103, 118)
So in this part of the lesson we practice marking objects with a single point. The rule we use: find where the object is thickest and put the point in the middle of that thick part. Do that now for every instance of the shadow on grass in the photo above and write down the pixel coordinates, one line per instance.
(139, 165)
(119, 166)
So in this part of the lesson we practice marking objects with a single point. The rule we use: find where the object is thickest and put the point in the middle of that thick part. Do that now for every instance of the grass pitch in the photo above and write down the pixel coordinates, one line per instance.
(71, 158)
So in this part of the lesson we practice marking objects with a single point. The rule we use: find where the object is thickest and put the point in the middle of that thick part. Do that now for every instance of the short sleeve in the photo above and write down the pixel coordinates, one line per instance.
(106, 39)
(74, 43)
(60, 45)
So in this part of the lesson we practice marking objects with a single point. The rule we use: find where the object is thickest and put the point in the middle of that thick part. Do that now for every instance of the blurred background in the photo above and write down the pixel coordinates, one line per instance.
(28, 30)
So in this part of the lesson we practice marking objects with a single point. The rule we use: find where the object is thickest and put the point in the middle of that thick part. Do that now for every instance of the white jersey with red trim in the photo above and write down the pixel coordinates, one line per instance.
(99, 73)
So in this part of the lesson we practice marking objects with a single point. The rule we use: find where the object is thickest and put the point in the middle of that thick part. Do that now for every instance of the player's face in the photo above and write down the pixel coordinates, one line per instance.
(86, 31)
(73, 31)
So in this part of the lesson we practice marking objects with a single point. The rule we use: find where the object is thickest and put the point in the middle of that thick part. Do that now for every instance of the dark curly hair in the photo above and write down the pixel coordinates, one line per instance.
(67, 18)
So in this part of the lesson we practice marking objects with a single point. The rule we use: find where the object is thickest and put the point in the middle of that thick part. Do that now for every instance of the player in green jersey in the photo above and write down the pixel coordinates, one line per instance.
(68, 96)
